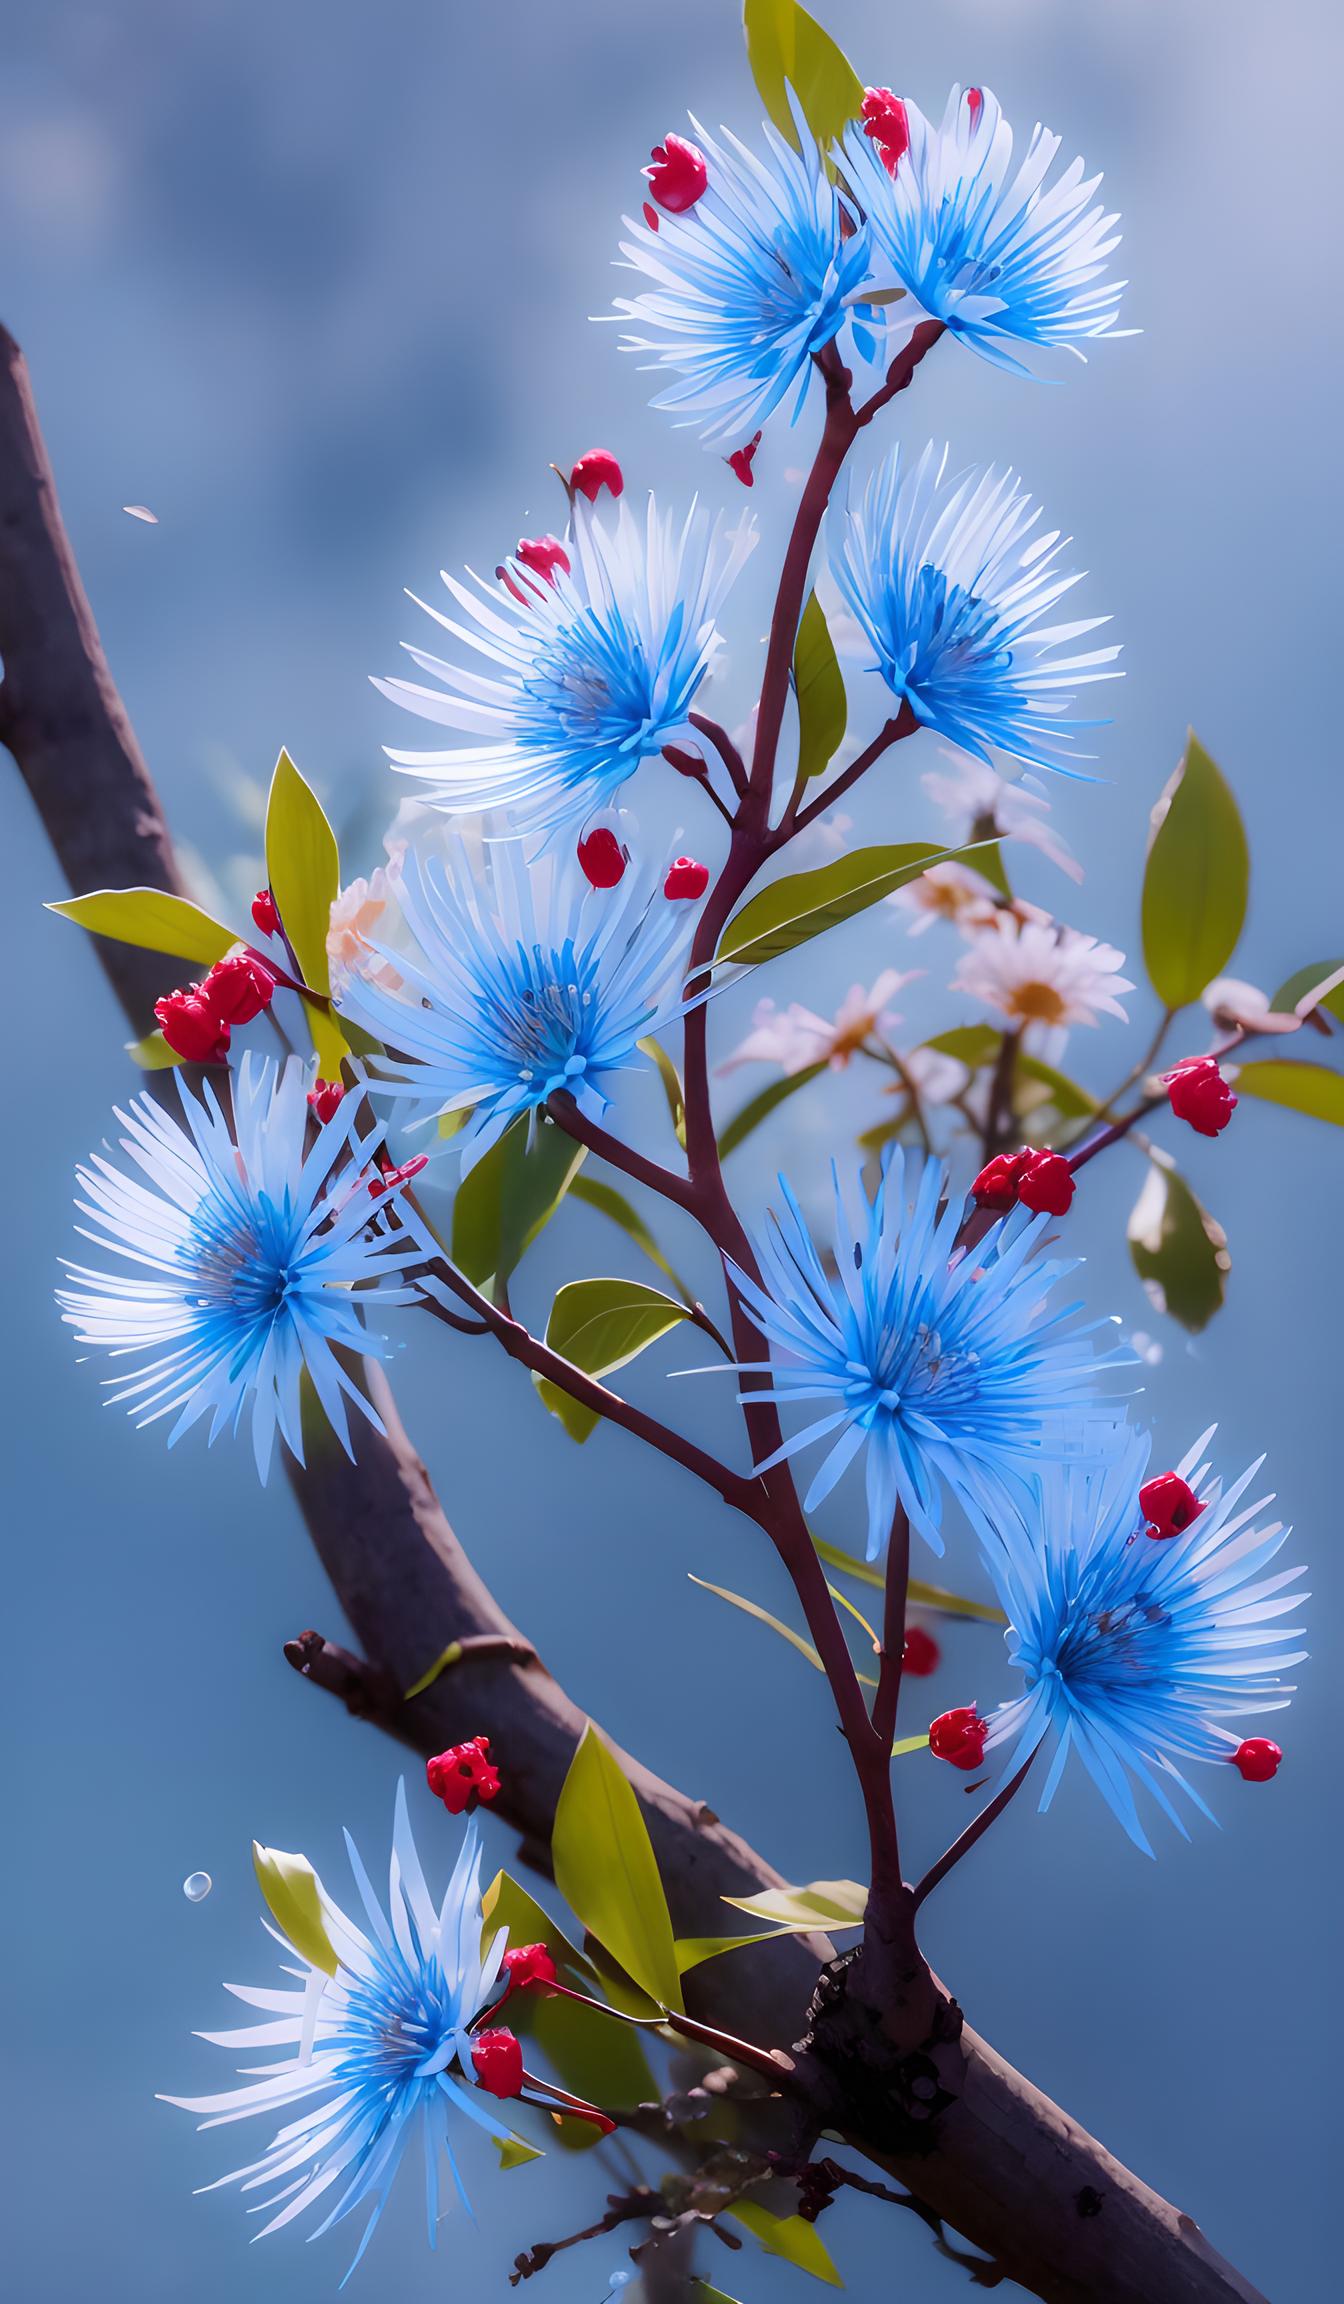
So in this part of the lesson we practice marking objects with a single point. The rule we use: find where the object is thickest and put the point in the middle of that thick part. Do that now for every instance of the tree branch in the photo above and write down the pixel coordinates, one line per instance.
(1001, 2164)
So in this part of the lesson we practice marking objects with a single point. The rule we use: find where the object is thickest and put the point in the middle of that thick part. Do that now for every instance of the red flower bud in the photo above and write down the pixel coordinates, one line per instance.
(975, 104)
(1256, 1759)
(885, 121)
(686, 880)
(324, 1100)
(542, 555)
(264, 912)
(461, 1774)
(650, 216)
(498, 2058)
(239, 988)
(602, 858)
(742, 459)
(389, 1177)
(959, 1737)
(1168, 1504)
(1046, 1185)
(596, 471)
(996, 1186)
(191, 1026)
(1198, 1093)
(922, 1652)
(529, 1964)
(678, 176)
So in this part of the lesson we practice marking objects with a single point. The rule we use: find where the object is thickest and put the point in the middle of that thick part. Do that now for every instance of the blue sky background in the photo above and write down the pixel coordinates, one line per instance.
(313, 283)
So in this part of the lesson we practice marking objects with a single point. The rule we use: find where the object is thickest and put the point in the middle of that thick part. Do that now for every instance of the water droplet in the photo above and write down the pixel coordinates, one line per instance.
(197, 1886)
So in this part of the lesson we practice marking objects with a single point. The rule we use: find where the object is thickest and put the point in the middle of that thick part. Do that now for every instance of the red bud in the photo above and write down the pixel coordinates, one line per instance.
(678, 176)
(191, 1026)
(1168, 1504)
(596, 471)
(742, 459)
(1257, 1758)
(922, 1653)
(686, 880)
(959, 1737)
(602, 858)
(324, 1100)
(498, 2058)
(1047, 1185)
(388, 1177)
(239, 988)
(886, 122)
(264, 912)
(529, 1964)
(463, 1773)
(1199, 1094)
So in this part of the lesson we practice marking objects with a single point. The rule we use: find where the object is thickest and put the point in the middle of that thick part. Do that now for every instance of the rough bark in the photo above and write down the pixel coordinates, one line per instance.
(999, 2162)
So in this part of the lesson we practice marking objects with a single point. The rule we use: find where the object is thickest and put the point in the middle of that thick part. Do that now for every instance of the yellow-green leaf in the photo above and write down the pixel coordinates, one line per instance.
(672, 1088)
(1195, 882)
(821, 1905)
(1310, 1088)
(1179, 1251)
(600, 1326)
(153, 920)
(923, 1595)
(507, 1904)
(442, 1663)
(294, 1893)
(693, 1951)
(618, 1210)
(791, 2237)
(515, 2151)
(707, 2295)
(330, 1045)
(607, 1873)
(763, 1616)
(787, 48)
(303, 867)
(1308, 980)
(153, 1053)
(804, 904)
(973, 1045)
(910, 1744)
(819, 686)
(749, 1118)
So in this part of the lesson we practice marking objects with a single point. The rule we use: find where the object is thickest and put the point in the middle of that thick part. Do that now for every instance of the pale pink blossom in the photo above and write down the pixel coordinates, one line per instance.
(951, 892)
(974, 796)
(1042, 978)
(358, 917)
(1235, 1006)
(795, 1037)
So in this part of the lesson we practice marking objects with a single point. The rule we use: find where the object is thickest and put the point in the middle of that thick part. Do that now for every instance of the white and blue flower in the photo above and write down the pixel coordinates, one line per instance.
(1005, 259)
(518, 982)
(379, 2053)
(1135, 1648)
(768, 267)
(588, 670)
(945, 1371)
(954, 589)
(253, 1255)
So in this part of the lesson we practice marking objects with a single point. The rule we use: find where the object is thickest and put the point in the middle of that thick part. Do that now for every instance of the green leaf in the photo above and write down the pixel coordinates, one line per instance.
(819, 684)
(787, 48)
(1195, 881)
(515, 2151)
(618, 1210)
(600, 1326)
(303, 868)
(693, 1951)
(760, 1107)
(1069, 1100)
(507, 1904)
(442, 1663)
(973, 1045)
(821, 1905)
(1309, 1088)
(1179, 1251)
(672, 1088)
(294, 1893)
(153, 1053)
(330, 1045)
(152, 919)
(989, 863)
(708, 2295)
(790, 2237)
(763, 1616)
(804, 904)
(506, 1199)
(910, 1744)
(1305, 980)
(923, 1595)
(606, 1871)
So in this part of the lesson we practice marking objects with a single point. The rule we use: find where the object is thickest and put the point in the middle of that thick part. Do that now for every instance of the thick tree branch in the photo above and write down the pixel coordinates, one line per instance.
(999, 2163)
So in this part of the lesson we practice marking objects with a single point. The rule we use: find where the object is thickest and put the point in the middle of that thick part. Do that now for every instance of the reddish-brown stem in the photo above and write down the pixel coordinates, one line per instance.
(641, 1170)
(902, 723)
(836, 441)
(724, 746)
(901, 371)
(896, 1592)
(974, 1831)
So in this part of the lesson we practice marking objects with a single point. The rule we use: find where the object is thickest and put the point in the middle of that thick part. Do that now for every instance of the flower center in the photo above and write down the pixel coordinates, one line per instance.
(1039, 1003)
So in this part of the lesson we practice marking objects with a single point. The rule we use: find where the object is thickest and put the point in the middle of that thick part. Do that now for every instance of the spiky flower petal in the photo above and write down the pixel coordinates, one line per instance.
(260, 1255)
(521, 980)
(946, 1370)
(588, 672)
(1003, 258)
(954, 591)
(764, 271)
(380, 2053)
(1135, 1650)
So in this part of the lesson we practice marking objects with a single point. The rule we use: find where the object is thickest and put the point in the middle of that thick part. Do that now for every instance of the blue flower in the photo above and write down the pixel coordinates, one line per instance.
(764, 271)
(253, 1256)
(1000, 257)
(380, 2051)
(1134, 1648)
(947, 1368)
(954, 592)
(522, 982)
(591, 669)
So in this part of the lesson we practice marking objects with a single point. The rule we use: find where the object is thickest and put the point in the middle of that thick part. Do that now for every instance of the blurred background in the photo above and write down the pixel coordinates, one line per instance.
(312, 282)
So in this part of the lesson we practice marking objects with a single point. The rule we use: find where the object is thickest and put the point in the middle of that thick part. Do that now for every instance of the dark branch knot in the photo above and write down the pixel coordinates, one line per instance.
(865, 2082)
